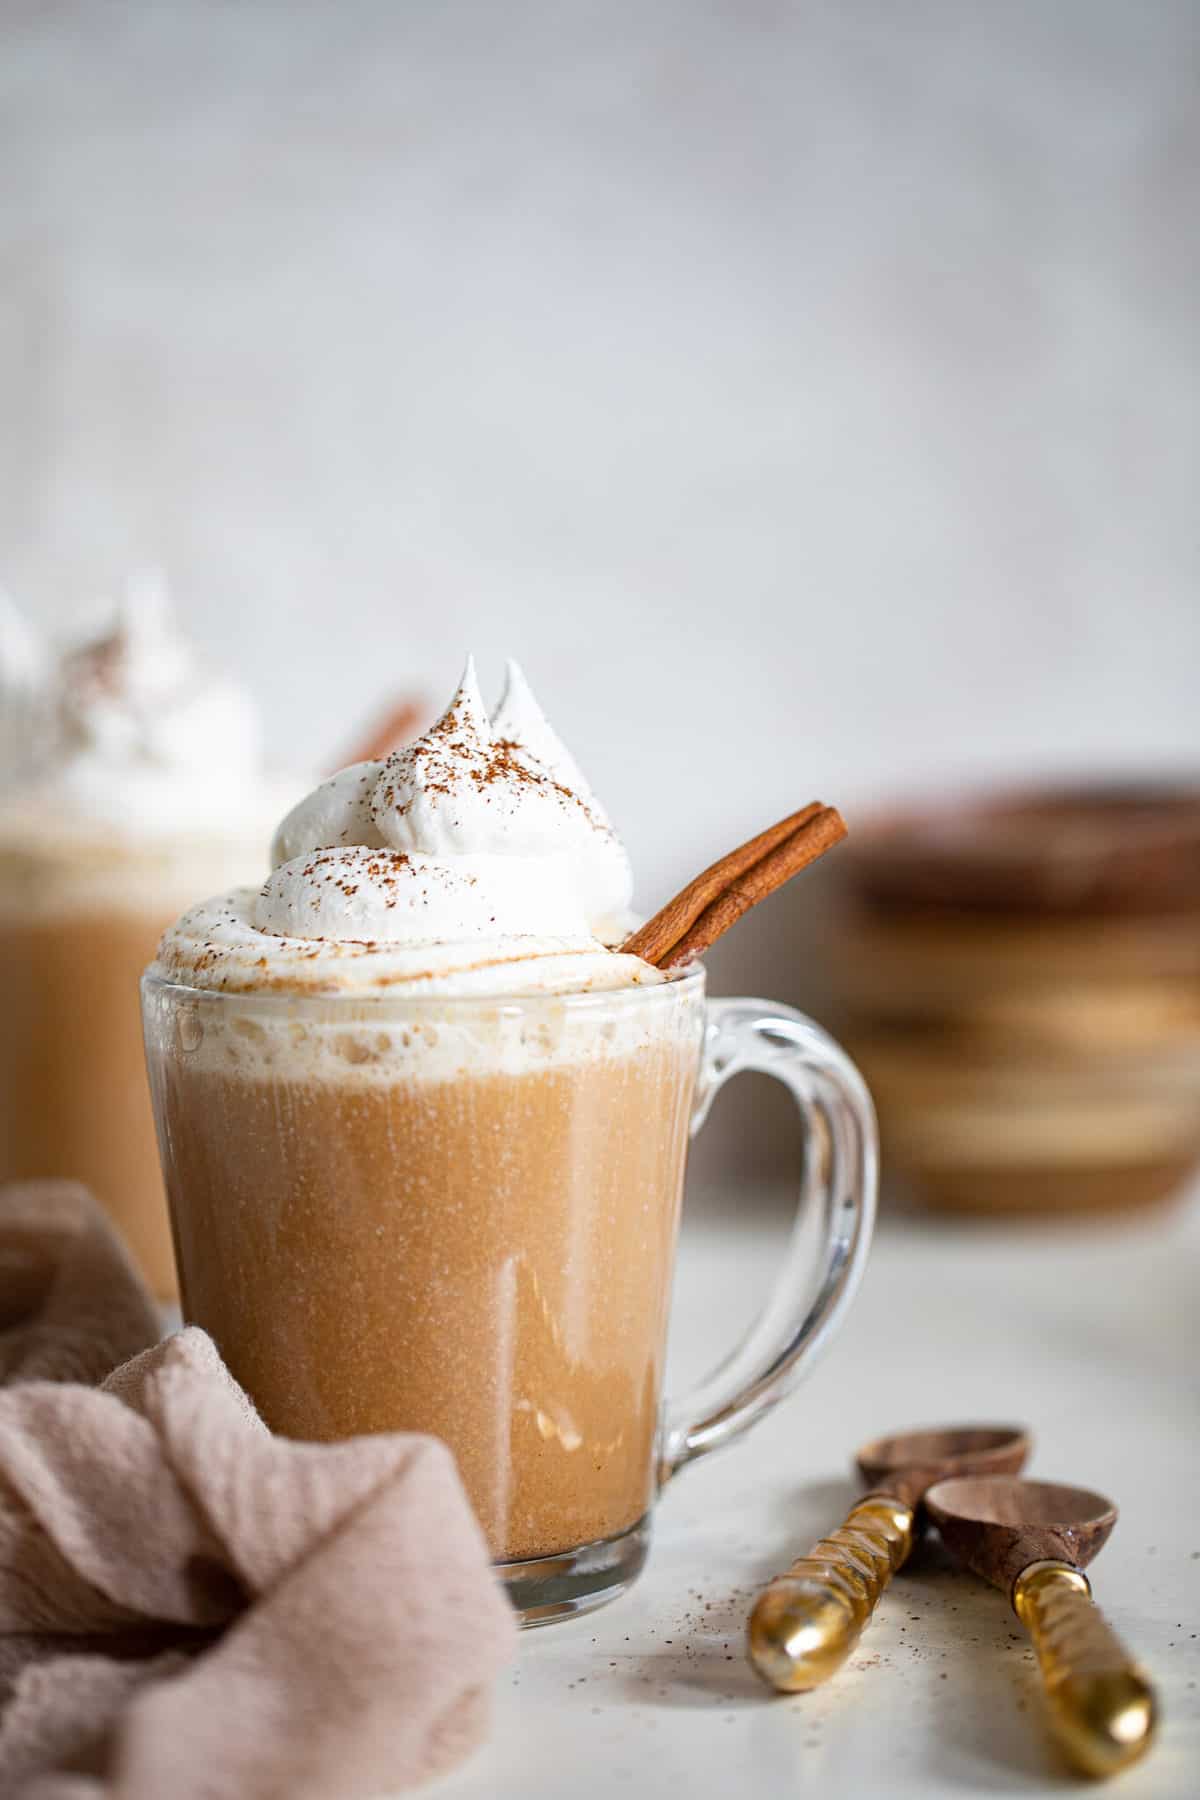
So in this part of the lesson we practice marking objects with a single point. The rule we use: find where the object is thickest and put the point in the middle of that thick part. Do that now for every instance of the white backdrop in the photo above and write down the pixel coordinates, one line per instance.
(808, 393)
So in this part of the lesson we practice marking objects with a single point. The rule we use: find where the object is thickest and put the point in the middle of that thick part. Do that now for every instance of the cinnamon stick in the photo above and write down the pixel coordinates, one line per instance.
(660, 934)
(705, 909)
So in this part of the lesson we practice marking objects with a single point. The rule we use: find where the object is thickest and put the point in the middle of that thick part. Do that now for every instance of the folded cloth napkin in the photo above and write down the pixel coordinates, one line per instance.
(190, 1608)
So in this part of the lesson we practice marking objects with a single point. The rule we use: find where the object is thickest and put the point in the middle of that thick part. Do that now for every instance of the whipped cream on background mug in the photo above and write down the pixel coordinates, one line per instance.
(128, 741)
(424, 1124)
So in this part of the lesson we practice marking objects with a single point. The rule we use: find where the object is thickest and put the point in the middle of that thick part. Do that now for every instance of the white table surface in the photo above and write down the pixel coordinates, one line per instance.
(1089, 1336)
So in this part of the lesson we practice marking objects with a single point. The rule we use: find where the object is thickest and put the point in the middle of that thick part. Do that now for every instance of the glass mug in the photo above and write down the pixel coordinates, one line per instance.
(458, 1216)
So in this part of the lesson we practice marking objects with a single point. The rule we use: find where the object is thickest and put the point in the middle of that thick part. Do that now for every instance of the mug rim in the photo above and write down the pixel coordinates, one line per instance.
(688, 980)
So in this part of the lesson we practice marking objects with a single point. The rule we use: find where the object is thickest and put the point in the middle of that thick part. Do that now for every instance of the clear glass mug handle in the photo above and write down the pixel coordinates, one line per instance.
(840, 1178)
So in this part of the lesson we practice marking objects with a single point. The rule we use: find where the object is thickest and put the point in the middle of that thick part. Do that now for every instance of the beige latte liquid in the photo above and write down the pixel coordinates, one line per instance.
(76, 931)
(485, 1257)
(73, 1095)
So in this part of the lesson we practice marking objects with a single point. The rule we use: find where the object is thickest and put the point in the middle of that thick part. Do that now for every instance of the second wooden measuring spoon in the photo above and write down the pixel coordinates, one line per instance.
(1033, 1540)
(806, 1622)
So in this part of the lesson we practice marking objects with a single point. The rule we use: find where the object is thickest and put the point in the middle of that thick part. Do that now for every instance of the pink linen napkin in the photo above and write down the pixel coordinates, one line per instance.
(190, 1608)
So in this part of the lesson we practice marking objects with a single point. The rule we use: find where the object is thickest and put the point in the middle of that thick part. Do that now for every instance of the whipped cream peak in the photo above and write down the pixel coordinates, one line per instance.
(468, 836)
(128, 737)
(461, 790)
(137, 695)
(518, 719)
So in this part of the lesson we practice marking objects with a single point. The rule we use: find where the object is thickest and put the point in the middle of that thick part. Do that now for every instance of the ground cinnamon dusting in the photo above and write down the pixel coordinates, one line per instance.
(449, 751)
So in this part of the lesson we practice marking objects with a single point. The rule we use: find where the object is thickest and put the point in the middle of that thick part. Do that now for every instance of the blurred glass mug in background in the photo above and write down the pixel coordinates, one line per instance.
(132, 784)
(458, 1216)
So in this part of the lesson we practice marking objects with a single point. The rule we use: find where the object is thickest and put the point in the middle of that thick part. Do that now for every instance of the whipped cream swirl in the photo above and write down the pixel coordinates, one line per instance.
(128, 736)
(476, 848)
(468, 832)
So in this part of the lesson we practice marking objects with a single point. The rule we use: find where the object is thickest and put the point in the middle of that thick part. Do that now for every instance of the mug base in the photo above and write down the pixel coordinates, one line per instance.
(547, 1589)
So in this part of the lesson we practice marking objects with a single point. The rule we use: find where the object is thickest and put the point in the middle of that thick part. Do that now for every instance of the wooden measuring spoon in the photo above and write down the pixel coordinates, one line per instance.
(806, 1622)
(1033, 1540)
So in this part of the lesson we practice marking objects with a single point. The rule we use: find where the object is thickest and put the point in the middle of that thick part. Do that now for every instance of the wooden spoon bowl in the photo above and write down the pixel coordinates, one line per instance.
(907, 1463)
(998, 1524)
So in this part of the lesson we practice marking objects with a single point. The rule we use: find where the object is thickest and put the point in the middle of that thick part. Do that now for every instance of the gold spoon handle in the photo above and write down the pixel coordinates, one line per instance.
(805, 1623)
(1102, 1708)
